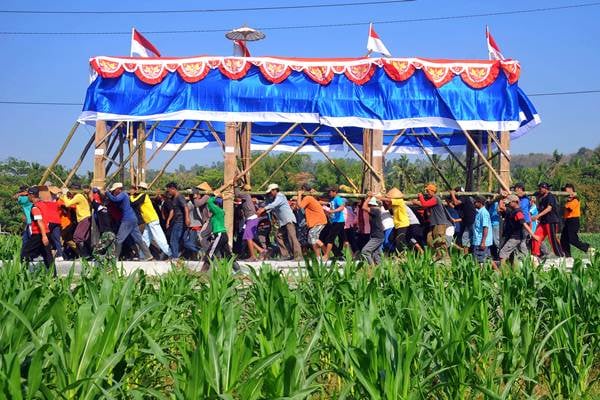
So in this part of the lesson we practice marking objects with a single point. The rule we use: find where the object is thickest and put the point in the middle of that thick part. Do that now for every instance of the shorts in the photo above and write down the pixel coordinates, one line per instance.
(465, 239)
(511, 245)
(251, 229)
(481, 255)
(313, 234)
(334, 230)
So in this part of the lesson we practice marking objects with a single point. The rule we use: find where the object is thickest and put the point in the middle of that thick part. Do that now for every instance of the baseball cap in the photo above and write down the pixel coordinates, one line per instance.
(34, 191)
(511, 197)
(544, 185)
(373, 202)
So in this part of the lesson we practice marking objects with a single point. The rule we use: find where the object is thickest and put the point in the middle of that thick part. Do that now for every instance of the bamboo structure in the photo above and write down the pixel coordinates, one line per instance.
(129, 155)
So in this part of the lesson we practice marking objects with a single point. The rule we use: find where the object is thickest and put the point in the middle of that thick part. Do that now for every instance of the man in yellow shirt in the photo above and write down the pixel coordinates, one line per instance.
(401, 222)
(152, 230)
(83, 215)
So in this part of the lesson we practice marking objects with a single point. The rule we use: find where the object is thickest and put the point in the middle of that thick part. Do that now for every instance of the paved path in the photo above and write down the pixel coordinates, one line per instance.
(154, 268)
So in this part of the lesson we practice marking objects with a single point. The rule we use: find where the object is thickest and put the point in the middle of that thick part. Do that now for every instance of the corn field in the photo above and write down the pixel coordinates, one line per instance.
(404, 330)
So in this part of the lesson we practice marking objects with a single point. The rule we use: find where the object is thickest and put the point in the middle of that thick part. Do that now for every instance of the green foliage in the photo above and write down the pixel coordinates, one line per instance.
(408, 329)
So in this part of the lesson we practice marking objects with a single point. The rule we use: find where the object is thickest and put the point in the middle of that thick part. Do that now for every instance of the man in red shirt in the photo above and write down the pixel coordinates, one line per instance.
(38, 244)
(51, 209)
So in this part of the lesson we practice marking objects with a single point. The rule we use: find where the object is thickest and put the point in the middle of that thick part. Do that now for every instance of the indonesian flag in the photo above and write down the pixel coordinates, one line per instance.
(141, 47)
(493, 49)
(374, 43)
(240, 49)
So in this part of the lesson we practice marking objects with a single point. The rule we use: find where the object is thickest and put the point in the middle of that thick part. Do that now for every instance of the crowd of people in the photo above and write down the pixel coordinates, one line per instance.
(84, 222)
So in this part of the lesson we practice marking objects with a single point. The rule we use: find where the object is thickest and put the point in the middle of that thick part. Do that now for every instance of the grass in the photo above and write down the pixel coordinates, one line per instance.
(407, 329)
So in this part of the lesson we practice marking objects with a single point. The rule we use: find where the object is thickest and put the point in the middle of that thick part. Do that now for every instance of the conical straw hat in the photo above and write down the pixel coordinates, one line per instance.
(395, 193)
(204, 186)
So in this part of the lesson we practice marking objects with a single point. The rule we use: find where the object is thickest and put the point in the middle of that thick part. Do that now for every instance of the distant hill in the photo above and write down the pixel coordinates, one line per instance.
(535, 159)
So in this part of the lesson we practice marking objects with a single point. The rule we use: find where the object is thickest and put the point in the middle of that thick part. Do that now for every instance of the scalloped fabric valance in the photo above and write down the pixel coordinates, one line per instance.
(475, 73)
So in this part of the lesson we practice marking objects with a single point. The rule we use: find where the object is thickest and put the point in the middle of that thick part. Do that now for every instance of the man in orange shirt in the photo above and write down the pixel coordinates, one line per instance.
(315, 218)
(570, 232)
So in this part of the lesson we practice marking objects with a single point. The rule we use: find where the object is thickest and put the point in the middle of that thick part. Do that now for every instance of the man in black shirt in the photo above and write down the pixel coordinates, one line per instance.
(372, 250)
(549, 220)
(178, 216)
(467, 211)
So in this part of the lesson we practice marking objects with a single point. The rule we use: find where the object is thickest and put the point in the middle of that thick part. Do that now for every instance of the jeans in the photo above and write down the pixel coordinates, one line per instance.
(153, 232)
(175, 238)
(127, 228)
(190, 241)
(54, 236)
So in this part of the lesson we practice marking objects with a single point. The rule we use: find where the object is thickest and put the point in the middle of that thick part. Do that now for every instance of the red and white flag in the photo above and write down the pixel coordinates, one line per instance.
(240, 49)
(141, 47)
(493, 49)
(375, 44)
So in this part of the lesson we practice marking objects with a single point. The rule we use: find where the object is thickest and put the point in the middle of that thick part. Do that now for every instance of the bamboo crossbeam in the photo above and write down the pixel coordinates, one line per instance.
(287, 159)
(79, 160)
(434, 164)
(396, 137)
(123, 164)
(162, 170)
(492, 135)
(215, 135)
(260, 157)
(363, 159)
(454, 156)
(60, 153)
(485, 161)
(164, 143)
(350, 181)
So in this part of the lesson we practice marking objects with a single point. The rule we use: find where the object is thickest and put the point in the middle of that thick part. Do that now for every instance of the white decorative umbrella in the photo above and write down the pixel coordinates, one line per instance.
(245, 33)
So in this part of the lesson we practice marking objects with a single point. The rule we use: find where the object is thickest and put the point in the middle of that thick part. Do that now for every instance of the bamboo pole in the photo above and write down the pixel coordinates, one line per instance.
(377, 159)
(454, 156)
(433, 163)
(164, 143)
(394, 140)
(353, 148)
(489, 156)
(132, 177)
(166, 164)
(229, 176)
(257, 159)
(60, 153)
(122, 166)
(245, 142)
(81, 158)
(141, 136)
(504, 152)
(505, 158)
(350, 181)
(486, 162)
(214, 133)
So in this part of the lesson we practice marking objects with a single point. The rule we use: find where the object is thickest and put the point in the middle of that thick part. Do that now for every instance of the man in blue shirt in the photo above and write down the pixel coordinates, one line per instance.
(482, 231)
(335, 228)
(129, 222)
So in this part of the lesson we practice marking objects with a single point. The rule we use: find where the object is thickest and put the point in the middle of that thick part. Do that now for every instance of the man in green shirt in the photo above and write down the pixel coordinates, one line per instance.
(219, 247)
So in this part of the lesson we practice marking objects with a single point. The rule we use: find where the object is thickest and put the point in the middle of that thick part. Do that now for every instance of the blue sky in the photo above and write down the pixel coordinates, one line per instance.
(558, 51)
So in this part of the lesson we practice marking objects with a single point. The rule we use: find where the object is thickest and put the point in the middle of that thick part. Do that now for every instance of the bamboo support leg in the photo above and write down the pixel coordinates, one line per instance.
(60, 153)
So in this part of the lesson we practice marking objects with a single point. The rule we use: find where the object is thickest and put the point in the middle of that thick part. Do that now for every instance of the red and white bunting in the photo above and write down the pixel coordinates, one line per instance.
(477, 73)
